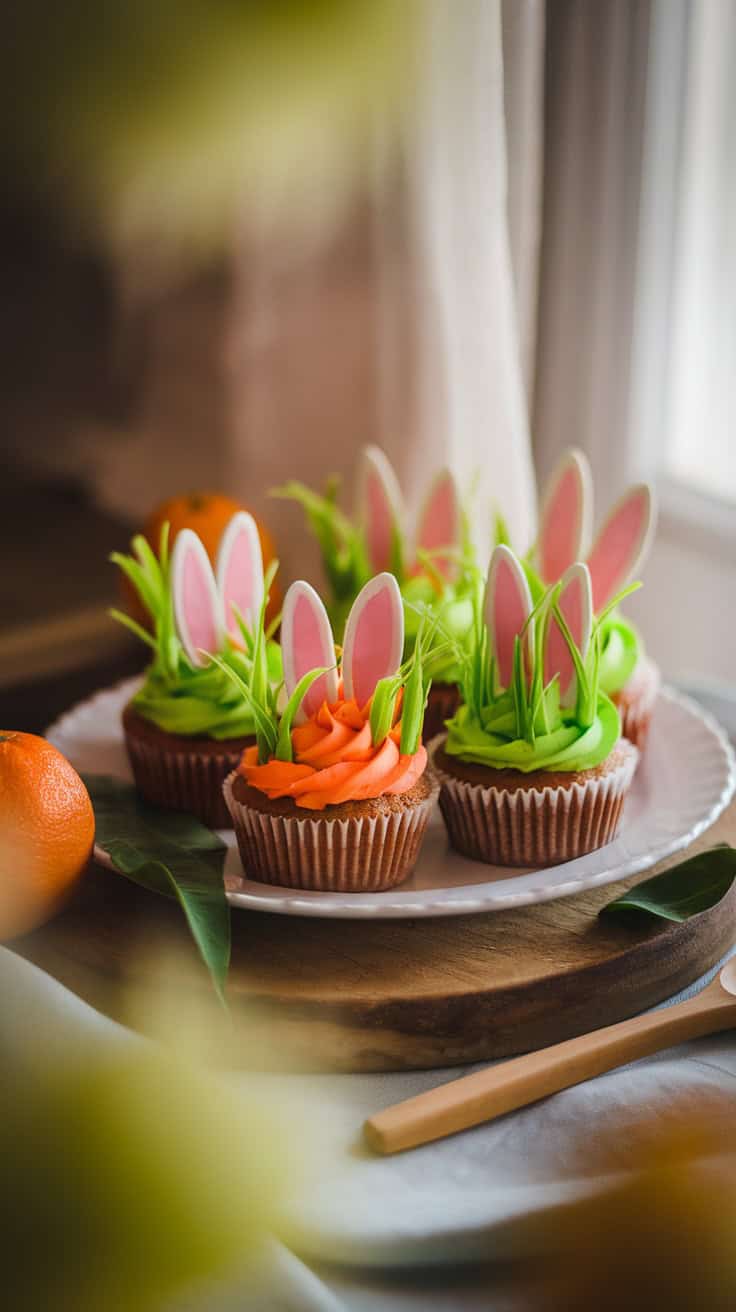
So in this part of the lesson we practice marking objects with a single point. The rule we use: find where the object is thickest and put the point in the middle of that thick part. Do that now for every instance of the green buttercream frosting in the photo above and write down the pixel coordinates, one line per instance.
(177, 696)
(566, 745)
(524, 727)
(202, 703)
(621, 650)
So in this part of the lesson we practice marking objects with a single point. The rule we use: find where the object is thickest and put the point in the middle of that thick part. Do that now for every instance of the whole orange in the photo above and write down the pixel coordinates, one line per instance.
(208, 513)
(47, 830)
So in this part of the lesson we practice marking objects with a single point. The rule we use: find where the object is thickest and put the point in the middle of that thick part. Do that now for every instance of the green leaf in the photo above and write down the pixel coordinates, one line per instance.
(284, 751)
(171, 854)
(684, 890)
(416, 691)
(383, 707)
(135, 628)
(266, 730)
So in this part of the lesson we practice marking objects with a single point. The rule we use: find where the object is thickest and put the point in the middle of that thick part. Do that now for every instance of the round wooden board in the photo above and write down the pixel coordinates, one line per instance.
(390, 995)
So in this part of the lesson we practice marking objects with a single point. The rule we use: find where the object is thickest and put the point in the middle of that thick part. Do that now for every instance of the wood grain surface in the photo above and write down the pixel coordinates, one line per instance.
(392, 995)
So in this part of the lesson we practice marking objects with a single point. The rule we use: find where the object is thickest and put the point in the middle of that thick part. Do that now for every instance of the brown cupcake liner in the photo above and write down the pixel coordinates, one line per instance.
(185, 780)
(357, 854)
(535, 827)
(636, 704)
(443, 701)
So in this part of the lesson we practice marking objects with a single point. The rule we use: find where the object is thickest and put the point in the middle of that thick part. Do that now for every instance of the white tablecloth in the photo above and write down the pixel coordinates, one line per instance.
(401, 1233)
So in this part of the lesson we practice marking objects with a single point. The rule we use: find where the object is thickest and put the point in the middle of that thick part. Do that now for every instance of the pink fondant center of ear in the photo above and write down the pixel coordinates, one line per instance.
(238, 584)
(198, 605)
(614, 554)
(310, 653)
(557, 656)
(560, 536)
(509, 617)
(379, 527)
(373, 645)
(440, 527)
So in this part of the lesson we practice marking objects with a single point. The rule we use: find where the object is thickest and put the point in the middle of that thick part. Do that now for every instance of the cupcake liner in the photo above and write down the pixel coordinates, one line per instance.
(357, 854)
(531, 826)
(443, 701)
(184, 780)
(636, 704)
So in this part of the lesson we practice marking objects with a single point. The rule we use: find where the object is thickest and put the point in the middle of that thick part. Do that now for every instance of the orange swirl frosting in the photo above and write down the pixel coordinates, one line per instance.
(335, 761)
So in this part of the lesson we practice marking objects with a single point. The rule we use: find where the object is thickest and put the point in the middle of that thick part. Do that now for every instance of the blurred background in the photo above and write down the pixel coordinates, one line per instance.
(240, 241)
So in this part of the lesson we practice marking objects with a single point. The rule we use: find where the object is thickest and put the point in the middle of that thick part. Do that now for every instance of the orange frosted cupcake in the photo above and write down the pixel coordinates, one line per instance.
(336, 796)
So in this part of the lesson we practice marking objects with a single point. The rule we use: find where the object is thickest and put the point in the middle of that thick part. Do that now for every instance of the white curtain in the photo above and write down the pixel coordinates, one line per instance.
(404, 329)
(636, 353)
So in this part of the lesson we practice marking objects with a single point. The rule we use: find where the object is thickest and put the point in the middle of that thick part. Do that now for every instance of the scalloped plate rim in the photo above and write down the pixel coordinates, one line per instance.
(453, 897)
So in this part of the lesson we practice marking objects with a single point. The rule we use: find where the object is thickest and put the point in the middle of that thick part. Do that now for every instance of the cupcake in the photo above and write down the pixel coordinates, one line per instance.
(435, 569)
(629, 678)
(187, 726)
(533, 769)
(336, 795)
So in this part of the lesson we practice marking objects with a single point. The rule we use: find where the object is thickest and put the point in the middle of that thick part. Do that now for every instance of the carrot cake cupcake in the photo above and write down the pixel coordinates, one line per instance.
(336, 795)
(187, 726)
(533, 769)
(626, 674)
(435, 565)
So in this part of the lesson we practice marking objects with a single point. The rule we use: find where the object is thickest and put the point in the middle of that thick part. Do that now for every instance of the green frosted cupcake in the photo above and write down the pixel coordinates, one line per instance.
(533, 768)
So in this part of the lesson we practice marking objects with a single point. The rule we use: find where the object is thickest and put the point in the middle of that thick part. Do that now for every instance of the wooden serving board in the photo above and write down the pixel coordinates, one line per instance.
(391, 995)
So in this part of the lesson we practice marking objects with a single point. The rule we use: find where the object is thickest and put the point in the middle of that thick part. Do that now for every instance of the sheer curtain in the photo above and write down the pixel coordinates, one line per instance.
(412, 327)
(636, 345)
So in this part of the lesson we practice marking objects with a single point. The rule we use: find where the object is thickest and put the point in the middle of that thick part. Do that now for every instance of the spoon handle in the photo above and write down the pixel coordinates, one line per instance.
(511, 1084)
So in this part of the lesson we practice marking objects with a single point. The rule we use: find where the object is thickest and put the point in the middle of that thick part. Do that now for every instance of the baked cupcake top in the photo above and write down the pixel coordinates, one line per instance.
(198, 613)
(616, 554)
(433, 561)
(343, 735)
(530, 677)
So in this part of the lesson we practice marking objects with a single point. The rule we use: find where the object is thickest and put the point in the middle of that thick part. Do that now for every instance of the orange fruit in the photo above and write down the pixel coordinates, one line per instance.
(47, 830)
(208, 513)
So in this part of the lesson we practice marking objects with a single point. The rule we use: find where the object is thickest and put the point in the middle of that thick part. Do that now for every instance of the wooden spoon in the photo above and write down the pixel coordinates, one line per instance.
(502, 1088)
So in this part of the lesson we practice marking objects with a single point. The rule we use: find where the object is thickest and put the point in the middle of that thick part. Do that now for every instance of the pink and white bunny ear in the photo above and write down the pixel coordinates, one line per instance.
(565, 521)
(307, 644)
(380, 507)
(239, 571)
(374, 637)
(621, 544)
(197, 605)
(507, 606)
(575, 603)
(440, 523)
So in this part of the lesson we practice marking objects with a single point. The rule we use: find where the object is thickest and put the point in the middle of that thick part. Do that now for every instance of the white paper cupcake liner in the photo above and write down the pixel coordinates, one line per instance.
(187, 781)
(531, 826)
(357, 854)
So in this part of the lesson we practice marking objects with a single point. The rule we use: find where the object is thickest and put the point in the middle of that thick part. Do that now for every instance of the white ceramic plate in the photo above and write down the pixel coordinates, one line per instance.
(686, 780)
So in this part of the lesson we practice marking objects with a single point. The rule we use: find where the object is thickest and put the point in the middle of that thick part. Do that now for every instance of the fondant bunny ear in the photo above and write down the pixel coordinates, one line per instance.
(380, 507)
(239, 571)
(440, 523)
(575, 603)
(374, 637)
(508, 604)
(565, 521)
(307, 644)
(197, 605)
(621, 544)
